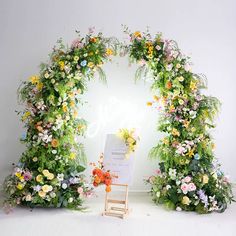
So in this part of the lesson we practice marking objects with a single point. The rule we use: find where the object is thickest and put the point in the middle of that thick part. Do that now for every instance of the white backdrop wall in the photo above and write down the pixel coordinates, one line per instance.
(204, 29)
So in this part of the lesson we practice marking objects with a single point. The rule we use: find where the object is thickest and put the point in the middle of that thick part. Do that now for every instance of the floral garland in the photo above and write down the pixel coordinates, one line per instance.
(49, 171)
(189, 177)
(130, 139)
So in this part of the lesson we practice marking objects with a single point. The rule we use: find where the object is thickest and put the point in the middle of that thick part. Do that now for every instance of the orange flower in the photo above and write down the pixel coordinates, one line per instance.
(97, 180)
(108, 188)
(168, 85)
(107, 182)
(93, 40)
(55, 143)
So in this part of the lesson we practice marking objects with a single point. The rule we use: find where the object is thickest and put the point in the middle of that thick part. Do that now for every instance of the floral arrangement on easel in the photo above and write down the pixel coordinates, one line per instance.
(100, 176)
(130, 139)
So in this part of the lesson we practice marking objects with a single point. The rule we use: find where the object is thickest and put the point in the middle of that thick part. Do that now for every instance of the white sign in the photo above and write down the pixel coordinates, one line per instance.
(115, 161)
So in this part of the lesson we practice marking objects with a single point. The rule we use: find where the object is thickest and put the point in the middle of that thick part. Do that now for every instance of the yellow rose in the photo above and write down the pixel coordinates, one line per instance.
(42, 194)
(50, 176)
(20, 186)
(18, 174)
(185, 200)
(39, 178)
(46, 173)
(205, 179)
(46, 188)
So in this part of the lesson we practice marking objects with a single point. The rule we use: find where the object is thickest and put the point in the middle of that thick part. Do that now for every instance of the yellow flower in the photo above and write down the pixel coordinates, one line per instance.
(50, 176)
(181, 102)
(193, 129)
(156, 98)
(205, 179)
(20, 186)
(193, 85)
(34, 79)
(186, 123)
(46, 173)
(62, 65)
(72, 156)
(26, 115)
(76, 58)
(42, 194)
(72, 103)
(185, 96)
(172, 108)
(165, 141)
(185, 200)
(109, 51)
(175, 132)
(39, 86)
(178, 66)
(137, 34)
(39, 178)
(75, 114)
(190, 152)
(149, 103)
(18, 174)
(46, 188)
(130, 140)
(213, 146)
(90, 64)
(64, 108)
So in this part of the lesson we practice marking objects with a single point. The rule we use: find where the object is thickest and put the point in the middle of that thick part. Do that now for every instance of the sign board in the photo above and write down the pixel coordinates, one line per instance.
(115, 161)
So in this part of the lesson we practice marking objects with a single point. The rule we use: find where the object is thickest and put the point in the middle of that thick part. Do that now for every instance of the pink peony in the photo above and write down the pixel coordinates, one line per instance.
(184, 188)
(187, 179)
(192, 187)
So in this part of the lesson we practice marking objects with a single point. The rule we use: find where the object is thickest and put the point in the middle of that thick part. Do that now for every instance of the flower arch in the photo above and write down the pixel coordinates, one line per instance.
(49, 172)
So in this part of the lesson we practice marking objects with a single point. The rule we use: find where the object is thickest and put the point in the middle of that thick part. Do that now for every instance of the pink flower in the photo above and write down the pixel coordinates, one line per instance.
(158, 171)
(187, 179)
(80, 190)
(77, 43)
(192, 187)
(184, 188)
(27, 176)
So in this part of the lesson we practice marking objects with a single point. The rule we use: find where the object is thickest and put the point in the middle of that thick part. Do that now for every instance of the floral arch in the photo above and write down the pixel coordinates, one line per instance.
(49, 173)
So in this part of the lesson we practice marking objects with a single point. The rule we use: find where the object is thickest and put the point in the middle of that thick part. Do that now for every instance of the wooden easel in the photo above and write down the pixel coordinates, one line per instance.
(117, 211)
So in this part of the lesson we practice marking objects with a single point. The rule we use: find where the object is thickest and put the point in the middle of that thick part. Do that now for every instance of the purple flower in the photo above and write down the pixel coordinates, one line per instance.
(27, 176)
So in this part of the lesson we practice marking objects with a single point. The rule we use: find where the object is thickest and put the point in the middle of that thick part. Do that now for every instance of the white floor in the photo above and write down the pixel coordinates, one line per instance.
(145, 219)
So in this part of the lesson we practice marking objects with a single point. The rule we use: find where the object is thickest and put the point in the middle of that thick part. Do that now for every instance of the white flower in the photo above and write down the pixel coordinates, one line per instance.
(54, 151)
(64, 186)
(192, 114)
(60, 177)
(168, 187)
(71, 199)
(172, 173)
(28, 198)
(169, 67)
(158, 194)
(178, 209)
(52, 194)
